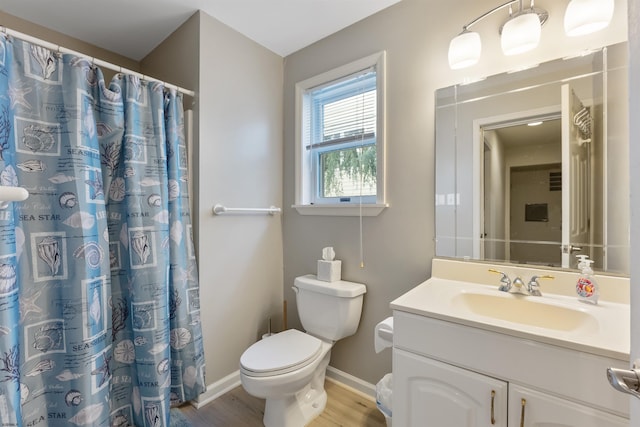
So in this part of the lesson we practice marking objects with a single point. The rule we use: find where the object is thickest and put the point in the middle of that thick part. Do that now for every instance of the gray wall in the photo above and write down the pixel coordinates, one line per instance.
(398, 244)
(238, 163)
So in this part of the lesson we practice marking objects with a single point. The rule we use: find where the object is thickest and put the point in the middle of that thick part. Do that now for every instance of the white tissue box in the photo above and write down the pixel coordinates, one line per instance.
(329, 271)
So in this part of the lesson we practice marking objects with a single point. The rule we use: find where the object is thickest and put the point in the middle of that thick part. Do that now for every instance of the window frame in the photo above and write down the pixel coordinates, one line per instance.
(304, 163)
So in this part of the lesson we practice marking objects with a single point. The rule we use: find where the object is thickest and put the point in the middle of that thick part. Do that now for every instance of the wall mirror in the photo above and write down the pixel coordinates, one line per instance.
(532, 166)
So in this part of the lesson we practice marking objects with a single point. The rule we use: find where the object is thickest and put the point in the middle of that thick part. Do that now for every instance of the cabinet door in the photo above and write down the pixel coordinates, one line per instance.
(529, 408)
(427, 393)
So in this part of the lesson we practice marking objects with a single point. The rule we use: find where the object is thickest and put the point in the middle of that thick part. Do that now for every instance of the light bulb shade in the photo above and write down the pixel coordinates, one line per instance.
(464, 50)
(521, 34)
(587, 16)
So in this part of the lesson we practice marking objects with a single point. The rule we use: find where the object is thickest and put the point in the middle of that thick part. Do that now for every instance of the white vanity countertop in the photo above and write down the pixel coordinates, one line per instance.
(614, 288)
(602, 329)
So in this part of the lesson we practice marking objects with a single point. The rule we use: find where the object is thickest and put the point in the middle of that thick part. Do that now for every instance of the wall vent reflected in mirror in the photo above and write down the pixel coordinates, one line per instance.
(555, 181)
(538, 212)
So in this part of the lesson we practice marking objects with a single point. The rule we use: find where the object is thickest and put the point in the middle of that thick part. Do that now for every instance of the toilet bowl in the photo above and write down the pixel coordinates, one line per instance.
(288, 369)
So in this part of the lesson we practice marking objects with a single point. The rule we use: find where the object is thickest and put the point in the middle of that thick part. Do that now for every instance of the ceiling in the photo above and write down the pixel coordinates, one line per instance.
(547, 132)
(134, 27)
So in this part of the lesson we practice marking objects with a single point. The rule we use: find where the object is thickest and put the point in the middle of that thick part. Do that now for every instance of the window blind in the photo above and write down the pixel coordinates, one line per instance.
(344, 112)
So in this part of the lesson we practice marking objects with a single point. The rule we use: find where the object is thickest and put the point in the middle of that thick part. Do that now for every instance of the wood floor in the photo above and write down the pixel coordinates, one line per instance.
(237, 408)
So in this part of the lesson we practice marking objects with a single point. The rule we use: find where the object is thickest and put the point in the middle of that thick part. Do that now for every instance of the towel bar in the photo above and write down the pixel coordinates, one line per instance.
(220, 209)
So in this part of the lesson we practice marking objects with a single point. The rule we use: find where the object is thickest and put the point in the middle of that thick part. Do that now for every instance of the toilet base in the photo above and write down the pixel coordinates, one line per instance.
(290, 412)
(301, 408)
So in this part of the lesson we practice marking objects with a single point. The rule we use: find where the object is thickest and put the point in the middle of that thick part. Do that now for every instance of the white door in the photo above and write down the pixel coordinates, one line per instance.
(428, 393)
(575, 180)
(634, 155)
(529, 408)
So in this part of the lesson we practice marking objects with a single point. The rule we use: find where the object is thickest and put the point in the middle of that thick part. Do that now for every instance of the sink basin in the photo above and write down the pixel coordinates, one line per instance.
(602, 329)
(533, 311)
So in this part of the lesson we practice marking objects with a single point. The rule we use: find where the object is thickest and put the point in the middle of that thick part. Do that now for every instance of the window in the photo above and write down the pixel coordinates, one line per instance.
(340, 140)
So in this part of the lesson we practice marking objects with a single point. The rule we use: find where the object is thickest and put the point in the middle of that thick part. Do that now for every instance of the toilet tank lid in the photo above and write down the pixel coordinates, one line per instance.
(340, 288)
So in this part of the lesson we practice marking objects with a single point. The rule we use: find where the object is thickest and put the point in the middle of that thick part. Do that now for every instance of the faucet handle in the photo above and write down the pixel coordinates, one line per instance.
(533, 287)
(506, 282)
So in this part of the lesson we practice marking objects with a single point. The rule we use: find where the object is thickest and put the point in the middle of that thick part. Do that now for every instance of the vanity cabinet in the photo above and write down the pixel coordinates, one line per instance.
(530, 408)
(431, 393)
(452, 375)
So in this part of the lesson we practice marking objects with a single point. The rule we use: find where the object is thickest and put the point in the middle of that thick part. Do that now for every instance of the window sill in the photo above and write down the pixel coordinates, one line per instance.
(341, 210)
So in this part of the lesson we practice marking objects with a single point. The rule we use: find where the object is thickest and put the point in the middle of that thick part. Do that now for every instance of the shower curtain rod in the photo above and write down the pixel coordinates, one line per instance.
(96, 61)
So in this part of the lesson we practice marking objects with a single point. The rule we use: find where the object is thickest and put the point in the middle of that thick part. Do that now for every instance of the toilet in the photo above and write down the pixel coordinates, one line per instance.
(288, 369)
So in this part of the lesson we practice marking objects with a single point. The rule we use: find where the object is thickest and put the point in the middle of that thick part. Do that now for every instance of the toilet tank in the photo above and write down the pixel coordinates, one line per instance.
(329, 310)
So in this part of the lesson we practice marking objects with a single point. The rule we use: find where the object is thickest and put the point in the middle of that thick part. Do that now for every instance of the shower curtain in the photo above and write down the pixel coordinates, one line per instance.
(99, 297)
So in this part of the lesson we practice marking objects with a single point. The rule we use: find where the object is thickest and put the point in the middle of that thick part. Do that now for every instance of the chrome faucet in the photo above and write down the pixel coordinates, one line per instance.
(517, 286)
(533, 287)
(504, 280)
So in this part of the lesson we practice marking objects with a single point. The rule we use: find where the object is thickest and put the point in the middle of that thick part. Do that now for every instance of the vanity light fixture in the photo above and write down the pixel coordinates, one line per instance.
(521, 33)
(464, 50)
(522, 30)
(587, 16)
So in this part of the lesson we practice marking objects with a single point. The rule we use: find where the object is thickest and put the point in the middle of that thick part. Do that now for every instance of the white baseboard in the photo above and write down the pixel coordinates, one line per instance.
(356, 385)
(232, 381)
(217, 389)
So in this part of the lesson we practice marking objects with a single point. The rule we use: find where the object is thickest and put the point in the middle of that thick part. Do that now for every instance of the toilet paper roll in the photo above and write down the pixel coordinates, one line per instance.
(383, 335)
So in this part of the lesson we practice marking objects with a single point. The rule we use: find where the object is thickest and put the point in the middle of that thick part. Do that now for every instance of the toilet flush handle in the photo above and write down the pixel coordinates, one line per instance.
(294, 289)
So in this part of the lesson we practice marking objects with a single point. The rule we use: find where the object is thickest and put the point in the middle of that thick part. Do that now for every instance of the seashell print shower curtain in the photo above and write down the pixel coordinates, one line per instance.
(99, 296)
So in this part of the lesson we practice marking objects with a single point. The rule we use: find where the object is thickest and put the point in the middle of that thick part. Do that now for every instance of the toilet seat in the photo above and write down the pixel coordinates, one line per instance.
(280, 353)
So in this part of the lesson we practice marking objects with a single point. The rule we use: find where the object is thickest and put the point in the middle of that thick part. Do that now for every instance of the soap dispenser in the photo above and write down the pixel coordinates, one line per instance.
(586, 286)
